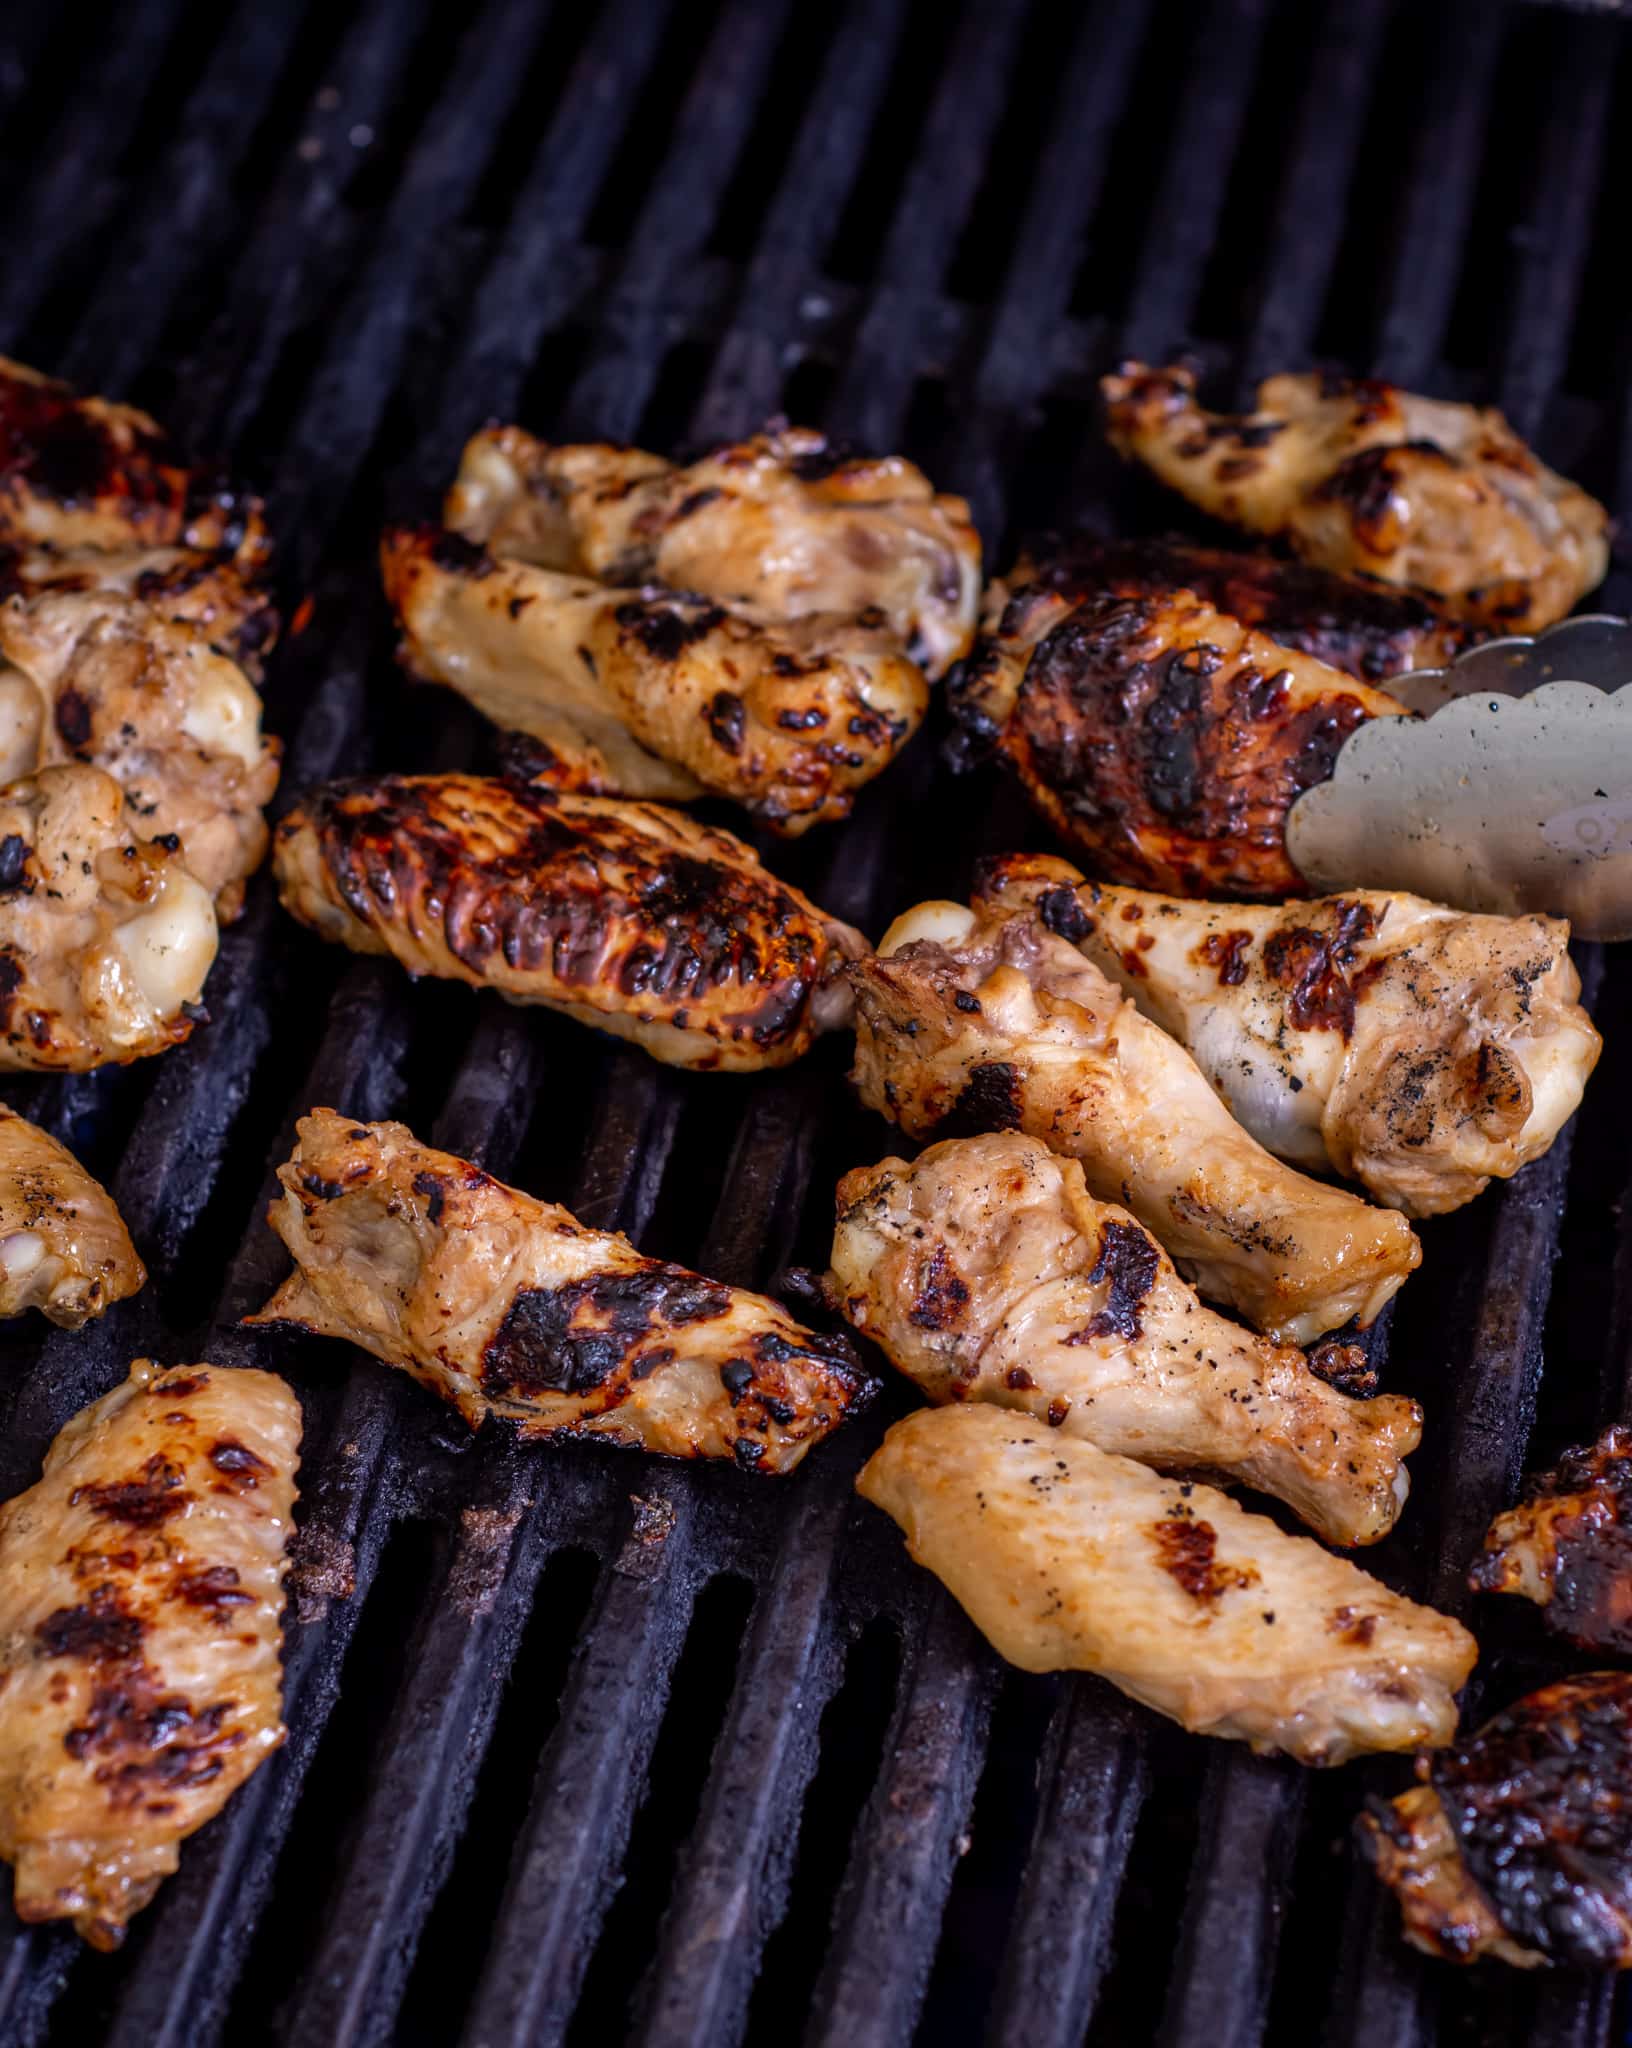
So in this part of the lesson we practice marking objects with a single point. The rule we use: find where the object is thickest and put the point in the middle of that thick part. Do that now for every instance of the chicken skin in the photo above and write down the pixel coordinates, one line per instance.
(64, 1248)
(209, 593)
(783, 524)
(102, 679)
(623, 915)
(1067, 1558)
(1518, 1842)
(510, 1307)
(1568, 1545)
(141, 1601)
(1419, 1050)
(973, 1022)
(1161, 737)
(1360, 476)
(105, 939)
(985, 1271)
(656, 693)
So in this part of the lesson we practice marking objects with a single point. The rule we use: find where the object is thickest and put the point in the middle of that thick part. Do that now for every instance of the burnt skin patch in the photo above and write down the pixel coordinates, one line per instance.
(1226, 953)
(941, 1295)
(1317, 968)
(143, 1502)
(1582, 1512)
(1129, 1262)
(727, 720)
(1187, 1551)
(100, 1630)
(73, 718)
(574, 1339)
(237, 1462)
(666, 630)
(14, 852)
(433, 1194)
(990, 1100)
(1063, 914)
(216, 1589)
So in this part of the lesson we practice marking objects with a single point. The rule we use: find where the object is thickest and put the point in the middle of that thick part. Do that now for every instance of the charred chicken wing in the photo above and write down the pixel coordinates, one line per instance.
(141, 1596)
(64, 1248)
(100, 678)
(658, 693)
(1568, 1545)
(782, 523)
(1518, 1843)
(1069, 1559)
(1161, 736)
(986, 1272)
(1355, 475)
(1419, 1050)
(623, 915)
(105, 939)
(969, 1022)
(510, 1307)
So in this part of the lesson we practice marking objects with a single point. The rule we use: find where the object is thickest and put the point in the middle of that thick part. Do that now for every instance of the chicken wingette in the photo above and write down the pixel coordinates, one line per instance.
(1356, 475)
(1567, 1545)
(985, 1271)
(1518, 1842)
(970, 1021)
(141, 1600)
(1067, 1558)
(105, 939)
(64, 1248)
(623, 915)
(1419, 1050)
(508, 1306)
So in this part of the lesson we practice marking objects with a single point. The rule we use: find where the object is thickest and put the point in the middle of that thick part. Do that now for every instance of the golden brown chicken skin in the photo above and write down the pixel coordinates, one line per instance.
(141, 1599)
(508, 1306)
(1518, 1842)
(1361, 476)
(985, 1271)
(660, 693)
(785, 523)
(623, 915)
(209, 592)
(1567, 1545)
(64, 1248)
(105, 939)
(1161, 738)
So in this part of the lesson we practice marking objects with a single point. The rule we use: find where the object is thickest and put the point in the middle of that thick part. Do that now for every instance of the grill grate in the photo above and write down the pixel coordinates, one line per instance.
(552, 1776)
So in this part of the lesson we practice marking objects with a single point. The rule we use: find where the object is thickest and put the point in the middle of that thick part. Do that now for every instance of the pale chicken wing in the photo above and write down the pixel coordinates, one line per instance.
(970, 1022)
(985, 1271)
(64, 1248)
(1567, 1545)
(1067, 1558)
(622, 915)
(1419, 1050)
(105, 939)
(508, 1306)
(141, 1601)
(1358, 475)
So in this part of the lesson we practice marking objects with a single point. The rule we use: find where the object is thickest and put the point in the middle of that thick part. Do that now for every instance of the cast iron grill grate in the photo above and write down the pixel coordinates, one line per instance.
(550, 1778)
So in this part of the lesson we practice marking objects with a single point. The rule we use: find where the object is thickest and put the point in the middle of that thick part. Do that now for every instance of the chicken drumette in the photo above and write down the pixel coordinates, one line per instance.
(64, 1248)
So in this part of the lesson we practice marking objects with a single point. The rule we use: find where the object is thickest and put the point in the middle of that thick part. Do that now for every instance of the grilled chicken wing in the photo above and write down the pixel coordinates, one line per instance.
(209, 593)
(1518, 1844)
(105, 940)
(967, 1022)
(1568, 1545)
(623, 915)
(659, 693)
(1358, 475)
(64, 1248)
(141, 1596)
(986, 1272)
(1162, 737)
(1069, 1559)
(782, 523)
(1419, 1050)
(510, 1307)
(102, 679)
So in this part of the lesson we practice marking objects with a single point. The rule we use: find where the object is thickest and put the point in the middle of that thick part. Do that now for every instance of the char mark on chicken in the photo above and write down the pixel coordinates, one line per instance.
(1567, 1545)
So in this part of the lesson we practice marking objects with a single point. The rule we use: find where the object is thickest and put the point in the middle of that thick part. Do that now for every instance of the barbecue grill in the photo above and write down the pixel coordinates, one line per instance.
(585, 1747)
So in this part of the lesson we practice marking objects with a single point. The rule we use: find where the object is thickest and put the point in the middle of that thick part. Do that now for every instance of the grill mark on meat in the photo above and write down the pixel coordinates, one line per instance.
(728, 720)
(431, 1190)
(1226, 953)
(1186, 1550)
(1586, 1504)
(941, 1294)
(14, 852)
(1129, 1260)
(664, 630)
(1062, 912)
(237, 1462)
(143, 1503)
(73, 717)
(101, 1630)
(148, 1740)
(990, 1100)
(573, 1339)
(458, 556)
(1317, 969)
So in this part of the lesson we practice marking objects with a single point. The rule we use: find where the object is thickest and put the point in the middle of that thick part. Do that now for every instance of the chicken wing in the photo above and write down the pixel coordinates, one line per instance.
(1164, 738)
(783, 523)
(208, 592)
(659, 693)
(105, 940)
(986, 1272)
(1069, 1559)
(1568, 1545)
(141, 1597)
(64, 1248)
(623, 915)
(1419, 1050)
(1356, 475)
(967, 1022)
(1518, 1844)
(510, 1307)
(99, 678)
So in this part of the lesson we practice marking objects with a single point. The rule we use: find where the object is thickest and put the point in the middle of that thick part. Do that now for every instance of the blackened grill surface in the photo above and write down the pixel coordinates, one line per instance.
(585, 1747)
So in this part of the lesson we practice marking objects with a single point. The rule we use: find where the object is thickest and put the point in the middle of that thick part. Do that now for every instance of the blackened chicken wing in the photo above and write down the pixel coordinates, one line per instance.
(1567, 1545)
